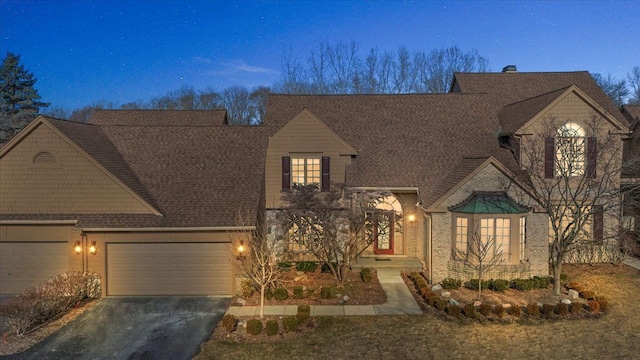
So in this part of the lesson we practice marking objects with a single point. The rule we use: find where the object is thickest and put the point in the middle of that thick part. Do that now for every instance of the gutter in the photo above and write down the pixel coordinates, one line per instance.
(38, 222)
(160, 229)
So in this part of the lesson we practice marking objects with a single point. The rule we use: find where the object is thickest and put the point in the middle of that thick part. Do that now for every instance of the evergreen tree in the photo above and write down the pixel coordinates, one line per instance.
(19, 100)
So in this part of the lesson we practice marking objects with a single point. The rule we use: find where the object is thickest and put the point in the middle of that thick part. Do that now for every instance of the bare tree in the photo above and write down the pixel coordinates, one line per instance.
(575, 172)
(481, 255)
(634, 82)
(258, 260)
(616, 89)
(330, 225)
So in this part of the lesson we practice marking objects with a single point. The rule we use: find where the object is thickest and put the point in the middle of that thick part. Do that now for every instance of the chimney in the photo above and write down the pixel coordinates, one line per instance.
(509, 69)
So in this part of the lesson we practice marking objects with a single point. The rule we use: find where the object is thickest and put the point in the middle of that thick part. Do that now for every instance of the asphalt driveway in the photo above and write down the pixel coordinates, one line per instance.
(134, 328)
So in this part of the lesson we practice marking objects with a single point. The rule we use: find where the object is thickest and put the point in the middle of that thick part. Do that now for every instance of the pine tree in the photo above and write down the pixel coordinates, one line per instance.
(19, 100)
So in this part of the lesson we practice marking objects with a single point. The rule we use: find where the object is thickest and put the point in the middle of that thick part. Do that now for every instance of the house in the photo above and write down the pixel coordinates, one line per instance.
(159, 195)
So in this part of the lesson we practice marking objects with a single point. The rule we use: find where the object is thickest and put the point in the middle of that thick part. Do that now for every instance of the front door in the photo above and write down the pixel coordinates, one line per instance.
(382, 228)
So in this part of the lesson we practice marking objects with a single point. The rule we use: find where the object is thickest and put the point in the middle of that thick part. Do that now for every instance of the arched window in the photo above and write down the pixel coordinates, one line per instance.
(570, 150)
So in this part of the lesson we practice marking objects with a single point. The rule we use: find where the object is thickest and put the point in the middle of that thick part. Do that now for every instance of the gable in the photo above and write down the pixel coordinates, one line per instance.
(43, 172)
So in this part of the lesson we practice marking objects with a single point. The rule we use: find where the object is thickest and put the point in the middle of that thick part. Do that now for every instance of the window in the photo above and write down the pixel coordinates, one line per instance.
(498, 229)
(462, 233)
(570, 150)
(523, 236)
(306, 170)
(588, 227)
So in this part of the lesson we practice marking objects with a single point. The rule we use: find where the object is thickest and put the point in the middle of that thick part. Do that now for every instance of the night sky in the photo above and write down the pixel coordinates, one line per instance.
(122, 51)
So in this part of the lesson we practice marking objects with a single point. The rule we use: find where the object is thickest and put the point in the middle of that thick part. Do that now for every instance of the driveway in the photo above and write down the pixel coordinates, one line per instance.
(134, 328)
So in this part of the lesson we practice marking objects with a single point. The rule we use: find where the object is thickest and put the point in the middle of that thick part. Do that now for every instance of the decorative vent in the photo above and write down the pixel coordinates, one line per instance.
(44, 158)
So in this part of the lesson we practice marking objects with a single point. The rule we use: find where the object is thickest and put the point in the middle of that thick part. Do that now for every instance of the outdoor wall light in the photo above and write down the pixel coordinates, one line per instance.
(412, 218)
(78, 247)
(92, 247)
(241, 250)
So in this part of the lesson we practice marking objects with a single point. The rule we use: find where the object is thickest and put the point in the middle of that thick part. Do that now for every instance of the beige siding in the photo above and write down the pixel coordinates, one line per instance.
(73, 184)
(304, 135)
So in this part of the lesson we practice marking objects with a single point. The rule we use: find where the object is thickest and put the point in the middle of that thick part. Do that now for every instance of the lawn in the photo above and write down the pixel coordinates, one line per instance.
(613, 335)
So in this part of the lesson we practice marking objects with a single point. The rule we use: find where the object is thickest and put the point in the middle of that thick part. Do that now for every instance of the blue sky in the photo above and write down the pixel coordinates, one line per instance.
(85, 51)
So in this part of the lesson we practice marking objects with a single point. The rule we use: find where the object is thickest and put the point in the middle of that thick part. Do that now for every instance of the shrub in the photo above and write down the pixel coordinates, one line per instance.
(451, 284)
(285, 265)
(327, 292)
(426, 292)
(453, 310)
(594, 306)
(272, 327)
(247, 288)
(303, 315)
(268, 293)
(229, 323)
(563, 309)
(432, 299)
(441, 304)
(54, 297)
(498, 310)
(281, 294)
(589, 295)
(541, 282)
(499, 285)
(306, 266)
(575, 307)
(470, 311)
(290, 323)
(298, 292)
(473, 284)
(604, 303)
(533, 309)
(366, 275)
(254, 326)
(515, 311)
(548, 310)
(523, 284)
(485, 309)
(563, 277)
(326, 269)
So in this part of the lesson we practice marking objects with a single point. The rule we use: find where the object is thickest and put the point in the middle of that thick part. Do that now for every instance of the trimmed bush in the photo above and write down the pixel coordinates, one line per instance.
(303, 315)
(298, 292)
(470, 311)
(541, 282)
(285, 265)
(594, 306)
(432, 299)
(290, 323)
(589, 295)
(515, 311)
(327, 292)
(366, 275)
(306, 266)
(453, 310)
(485, 309)
(426, 292)
(499, 285)
(280, 294)
(499, 311)
(473, 284)
(247, 288)
(441, 304)
(523, 284)
(604, 303)
(562, 309)
(229, 323)
(254, 326)
(575, 307)
(326, 269)
(548, 310)
(268, 293)
(533, 310)
(272, 327)
(451, 284)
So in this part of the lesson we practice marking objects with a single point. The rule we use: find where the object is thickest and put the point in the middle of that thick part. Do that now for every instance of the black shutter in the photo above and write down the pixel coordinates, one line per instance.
(515, 147)
(592, 154)
(286, 173)
(598, 219)
(326, 179)
(549, 157)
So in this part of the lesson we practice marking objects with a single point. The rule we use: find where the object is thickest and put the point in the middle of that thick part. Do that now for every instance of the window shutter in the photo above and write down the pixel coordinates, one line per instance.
(326, 179)
(549, 157)
(515, 148)
(286, 173)
(592, 154)
(598, 219)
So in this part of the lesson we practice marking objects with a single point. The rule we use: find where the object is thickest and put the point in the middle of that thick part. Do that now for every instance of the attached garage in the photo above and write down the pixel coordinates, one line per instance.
(197, 268)
(26, 264)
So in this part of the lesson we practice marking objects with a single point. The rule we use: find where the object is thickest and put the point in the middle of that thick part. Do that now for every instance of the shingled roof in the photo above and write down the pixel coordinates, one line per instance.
(512, 87)
(409, 140)
(159, 117)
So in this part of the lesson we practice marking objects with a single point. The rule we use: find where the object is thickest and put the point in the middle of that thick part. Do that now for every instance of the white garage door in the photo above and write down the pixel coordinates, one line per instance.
(26, 264)
(168, 269)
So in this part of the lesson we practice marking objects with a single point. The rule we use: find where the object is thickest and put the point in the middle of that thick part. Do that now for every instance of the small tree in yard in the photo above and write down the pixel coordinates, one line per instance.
(481, 255)
(330, 224)
(574, 170)
(259, 260)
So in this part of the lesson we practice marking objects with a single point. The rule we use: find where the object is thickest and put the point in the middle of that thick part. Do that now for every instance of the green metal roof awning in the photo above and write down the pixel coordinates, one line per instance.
(489, 202)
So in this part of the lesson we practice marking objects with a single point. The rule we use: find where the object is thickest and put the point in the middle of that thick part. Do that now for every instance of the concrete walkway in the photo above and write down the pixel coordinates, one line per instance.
(632, 261)
(399, 302)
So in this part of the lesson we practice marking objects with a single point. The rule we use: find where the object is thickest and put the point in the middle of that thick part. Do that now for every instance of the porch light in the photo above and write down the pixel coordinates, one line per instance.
(92, 247)
(78, 247)
(241, 250)
(412, 218)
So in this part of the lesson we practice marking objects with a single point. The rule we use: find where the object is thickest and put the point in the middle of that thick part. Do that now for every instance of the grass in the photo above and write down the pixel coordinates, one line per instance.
(614, 335)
